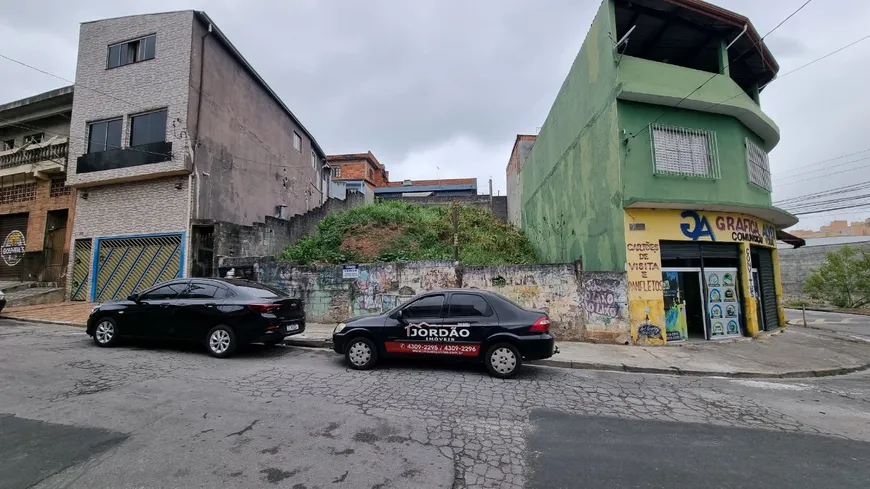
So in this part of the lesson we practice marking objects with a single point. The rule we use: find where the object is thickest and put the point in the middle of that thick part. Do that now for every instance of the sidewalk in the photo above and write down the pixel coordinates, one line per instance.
(796, 352)
(785, 354)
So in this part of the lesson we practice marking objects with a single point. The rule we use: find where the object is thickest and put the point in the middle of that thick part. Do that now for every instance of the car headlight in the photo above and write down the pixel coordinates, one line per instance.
(95, 309)
(340, 327)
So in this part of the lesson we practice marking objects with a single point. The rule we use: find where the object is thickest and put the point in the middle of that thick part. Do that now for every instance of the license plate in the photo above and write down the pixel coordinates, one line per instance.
(292, 327)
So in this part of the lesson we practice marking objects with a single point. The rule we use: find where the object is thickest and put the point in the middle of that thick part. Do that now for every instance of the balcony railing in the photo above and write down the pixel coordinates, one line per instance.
(112, 159)
(55, 151)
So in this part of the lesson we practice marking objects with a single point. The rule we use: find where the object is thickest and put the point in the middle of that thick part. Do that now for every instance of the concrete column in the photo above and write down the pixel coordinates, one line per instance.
(747, 292)
(723, 59)
(774, 254)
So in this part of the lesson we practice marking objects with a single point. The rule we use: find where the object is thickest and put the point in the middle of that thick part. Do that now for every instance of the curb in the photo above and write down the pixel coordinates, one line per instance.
(43, 321)
(309, 343)
(797, 374)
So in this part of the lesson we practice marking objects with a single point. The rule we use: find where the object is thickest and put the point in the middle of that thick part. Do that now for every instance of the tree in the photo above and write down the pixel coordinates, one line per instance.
(843, 279)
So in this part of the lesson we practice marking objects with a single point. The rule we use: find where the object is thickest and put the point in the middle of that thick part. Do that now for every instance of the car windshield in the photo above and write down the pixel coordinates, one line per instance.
(257, 290)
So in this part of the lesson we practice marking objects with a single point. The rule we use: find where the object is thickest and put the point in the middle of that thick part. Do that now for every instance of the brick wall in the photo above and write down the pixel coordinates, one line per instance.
(582, 305)
(37, 210)
(796, 264)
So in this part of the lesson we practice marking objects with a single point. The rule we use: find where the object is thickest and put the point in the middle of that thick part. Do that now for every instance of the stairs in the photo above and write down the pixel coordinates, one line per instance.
(31, 293)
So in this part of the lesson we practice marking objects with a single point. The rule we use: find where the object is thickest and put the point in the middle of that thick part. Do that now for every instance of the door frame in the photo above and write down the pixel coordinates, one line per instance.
(701, 282)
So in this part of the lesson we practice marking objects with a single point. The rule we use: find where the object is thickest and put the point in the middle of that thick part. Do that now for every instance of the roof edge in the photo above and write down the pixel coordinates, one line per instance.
(40, 97)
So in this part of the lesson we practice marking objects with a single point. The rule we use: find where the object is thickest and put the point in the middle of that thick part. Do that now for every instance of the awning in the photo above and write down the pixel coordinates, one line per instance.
(789, 239)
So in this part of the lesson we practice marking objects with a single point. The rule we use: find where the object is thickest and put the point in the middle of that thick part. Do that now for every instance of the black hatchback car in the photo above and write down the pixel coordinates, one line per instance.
(219, 313)
(460, 323)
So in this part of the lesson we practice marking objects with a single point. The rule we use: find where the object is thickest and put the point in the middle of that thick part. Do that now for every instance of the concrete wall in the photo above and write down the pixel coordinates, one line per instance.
(245, 159)
(273, 235)
(796, 264)
(571, 180)
(582, 305)
(127, 90)
(520, 152)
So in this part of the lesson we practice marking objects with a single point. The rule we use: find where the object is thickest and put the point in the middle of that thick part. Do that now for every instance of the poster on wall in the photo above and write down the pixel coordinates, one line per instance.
(723, 308)
(676, 328)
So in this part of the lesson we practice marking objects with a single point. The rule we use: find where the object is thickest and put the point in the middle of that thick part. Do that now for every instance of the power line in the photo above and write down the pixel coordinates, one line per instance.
(823, 161)
(847, 188)
(808, 179)
(828, 168)
(714, 75)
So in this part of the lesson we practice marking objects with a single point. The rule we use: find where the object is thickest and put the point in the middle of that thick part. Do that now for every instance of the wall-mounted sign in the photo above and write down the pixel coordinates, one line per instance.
(350, 271)
(637, 226)
(12, 249)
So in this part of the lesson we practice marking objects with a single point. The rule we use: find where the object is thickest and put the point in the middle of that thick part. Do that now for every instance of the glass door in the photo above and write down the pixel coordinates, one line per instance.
(723, 302)
(684, 304)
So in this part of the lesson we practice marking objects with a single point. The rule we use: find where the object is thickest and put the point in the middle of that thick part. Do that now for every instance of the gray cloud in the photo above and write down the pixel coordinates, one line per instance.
(449, 83)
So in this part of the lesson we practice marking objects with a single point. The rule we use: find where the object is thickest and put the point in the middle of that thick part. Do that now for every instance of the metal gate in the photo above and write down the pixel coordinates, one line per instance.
(13, 231)
(81, 270)
(768, 289)
(127, 265)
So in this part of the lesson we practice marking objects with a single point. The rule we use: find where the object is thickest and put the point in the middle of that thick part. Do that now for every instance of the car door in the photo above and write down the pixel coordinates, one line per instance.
(474, 319)
(407, 330)
(152, 314)
(197, 310)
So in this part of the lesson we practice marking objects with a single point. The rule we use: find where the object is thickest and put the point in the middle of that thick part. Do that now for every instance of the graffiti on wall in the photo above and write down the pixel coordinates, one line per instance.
(646, 302)
(602, 298)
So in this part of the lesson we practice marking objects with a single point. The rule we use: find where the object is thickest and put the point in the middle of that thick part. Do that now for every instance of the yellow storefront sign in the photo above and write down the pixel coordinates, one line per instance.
(645, 229)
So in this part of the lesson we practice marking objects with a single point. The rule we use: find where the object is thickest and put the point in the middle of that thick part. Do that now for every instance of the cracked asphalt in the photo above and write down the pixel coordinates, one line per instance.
(163, 415)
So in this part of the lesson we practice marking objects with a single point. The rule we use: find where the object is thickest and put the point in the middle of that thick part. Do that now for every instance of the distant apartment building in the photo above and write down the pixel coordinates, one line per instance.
(522, 147)
(36, 206)
(837, 228)
(172, 129)
(364, 173)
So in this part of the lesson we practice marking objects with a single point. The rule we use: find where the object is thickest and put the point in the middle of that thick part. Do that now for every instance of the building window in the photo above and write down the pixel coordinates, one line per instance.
(685, 152)
(336, 172)
(58, 188)
(758, 165)
(132, 51)
(148, 128)
(8, 144)
(104, 135)
(24, 192)
(297, 142)
(313, 160)
(368, 173)
(34, 138)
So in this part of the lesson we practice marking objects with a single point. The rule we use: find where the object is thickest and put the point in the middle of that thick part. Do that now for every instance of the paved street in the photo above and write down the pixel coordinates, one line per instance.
(849, 325)
(157, 415)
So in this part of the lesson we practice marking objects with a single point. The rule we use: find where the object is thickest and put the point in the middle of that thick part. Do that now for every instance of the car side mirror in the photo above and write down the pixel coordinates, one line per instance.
(400, 316)
(133, 297)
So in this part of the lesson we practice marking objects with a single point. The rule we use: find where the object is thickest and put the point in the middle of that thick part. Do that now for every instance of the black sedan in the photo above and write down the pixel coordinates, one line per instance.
(219, 313)
(459, 323)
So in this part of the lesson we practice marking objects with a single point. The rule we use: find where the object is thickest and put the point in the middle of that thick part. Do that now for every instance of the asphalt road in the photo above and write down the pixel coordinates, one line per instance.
(156, 415)
(848, 325)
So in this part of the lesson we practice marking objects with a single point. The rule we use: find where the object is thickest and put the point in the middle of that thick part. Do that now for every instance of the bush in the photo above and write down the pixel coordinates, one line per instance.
(842, 280)
(399, 231)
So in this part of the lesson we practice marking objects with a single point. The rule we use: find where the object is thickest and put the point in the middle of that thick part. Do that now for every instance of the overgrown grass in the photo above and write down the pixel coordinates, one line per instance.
(414, 232)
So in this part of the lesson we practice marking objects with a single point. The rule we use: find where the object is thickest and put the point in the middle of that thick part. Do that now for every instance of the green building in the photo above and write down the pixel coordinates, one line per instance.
(653, 160)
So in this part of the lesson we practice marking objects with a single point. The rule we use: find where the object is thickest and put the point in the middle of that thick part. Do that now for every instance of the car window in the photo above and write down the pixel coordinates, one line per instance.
(465, 305)
(199, 290)
(165, 292)
(427, 307)
(261, 293)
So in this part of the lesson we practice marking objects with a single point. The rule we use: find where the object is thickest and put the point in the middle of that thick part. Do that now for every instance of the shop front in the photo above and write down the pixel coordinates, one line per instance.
(699, 275)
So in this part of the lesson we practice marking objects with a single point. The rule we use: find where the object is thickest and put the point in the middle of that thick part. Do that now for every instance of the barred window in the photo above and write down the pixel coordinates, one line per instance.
(758, 165)
(24, 192)
(336, 172)
(685, 152)
(58, 188)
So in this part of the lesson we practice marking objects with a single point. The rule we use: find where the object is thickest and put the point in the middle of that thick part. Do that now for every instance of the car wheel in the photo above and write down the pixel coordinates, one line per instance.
(106, 332)
(503, 360)
(361, 353)
(221, 342)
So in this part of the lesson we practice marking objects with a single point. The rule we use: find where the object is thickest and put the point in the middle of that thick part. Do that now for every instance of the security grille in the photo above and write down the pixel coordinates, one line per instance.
(81, 270)
(684, 152)
(24, 192)
(58, 188)
(758, 165)
(127, 265)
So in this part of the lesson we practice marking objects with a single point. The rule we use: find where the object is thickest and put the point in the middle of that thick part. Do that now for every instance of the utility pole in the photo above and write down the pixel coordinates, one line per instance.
(490, 193)
(454, 211)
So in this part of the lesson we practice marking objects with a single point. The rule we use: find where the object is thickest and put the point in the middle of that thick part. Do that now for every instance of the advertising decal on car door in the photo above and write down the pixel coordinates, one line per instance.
(446, 339)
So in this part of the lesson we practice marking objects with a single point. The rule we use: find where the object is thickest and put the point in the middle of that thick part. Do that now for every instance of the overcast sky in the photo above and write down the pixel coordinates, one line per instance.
(440, 88)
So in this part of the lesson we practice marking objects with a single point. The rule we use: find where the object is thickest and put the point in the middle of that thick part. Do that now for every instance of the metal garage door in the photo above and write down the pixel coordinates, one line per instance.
(81, 270)
(127, 265)
(768, 288)
(13, 234)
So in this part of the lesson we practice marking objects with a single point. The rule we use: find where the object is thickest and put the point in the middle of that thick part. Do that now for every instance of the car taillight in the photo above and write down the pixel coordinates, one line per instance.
(263, 307)
(541, 325)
